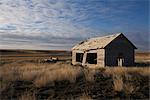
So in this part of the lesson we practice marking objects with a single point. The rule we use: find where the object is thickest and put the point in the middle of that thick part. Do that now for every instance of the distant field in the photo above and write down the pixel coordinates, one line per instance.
(32, 55)
(12, 52)
(142, 56)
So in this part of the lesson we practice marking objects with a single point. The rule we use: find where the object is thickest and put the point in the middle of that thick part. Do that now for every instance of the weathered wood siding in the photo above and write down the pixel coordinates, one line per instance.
(117, 46)
(101, 57)
(73, 57)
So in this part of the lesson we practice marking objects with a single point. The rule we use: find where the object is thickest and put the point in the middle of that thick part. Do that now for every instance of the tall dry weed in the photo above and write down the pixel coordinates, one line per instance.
(118, 83)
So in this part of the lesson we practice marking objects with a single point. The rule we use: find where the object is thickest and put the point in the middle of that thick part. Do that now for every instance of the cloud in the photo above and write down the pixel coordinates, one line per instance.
(57, 23)
(40, 17)
(7, 27)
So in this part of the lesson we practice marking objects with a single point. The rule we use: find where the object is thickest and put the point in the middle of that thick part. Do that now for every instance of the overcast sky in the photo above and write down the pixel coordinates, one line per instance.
(60, 24)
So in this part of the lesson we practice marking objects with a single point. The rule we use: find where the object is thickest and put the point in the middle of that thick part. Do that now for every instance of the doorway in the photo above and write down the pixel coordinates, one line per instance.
(120, 59)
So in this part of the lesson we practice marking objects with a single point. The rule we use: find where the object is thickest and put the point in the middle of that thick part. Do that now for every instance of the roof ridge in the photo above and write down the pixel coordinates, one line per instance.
(111, 35)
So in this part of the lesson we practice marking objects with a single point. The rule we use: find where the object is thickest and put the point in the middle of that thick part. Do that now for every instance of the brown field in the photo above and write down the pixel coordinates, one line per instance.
(22, 77)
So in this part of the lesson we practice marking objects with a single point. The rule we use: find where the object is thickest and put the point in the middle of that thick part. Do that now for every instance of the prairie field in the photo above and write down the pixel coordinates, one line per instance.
(23, 77)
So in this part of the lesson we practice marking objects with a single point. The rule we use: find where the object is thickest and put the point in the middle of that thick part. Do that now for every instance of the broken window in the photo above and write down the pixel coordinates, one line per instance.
(91, 58)
(79, 57)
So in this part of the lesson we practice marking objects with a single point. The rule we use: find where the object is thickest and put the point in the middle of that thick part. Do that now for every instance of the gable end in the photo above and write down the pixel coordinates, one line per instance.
(125, 38)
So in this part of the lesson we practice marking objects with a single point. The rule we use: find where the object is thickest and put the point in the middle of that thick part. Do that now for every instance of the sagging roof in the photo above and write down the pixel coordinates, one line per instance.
(97, 43)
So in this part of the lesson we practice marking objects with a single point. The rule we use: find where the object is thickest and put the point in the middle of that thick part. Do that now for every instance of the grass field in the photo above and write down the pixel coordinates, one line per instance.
(23, 77)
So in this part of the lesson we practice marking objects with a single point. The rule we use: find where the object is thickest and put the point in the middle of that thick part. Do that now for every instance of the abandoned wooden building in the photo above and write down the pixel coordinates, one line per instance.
(111, 50)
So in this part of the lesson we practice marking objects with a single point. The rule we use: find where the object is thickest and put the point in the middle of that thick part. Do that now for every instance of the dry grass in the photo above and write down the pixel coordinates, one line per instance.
(127, 73)
(63, 73)
(46, 74)
(41, 74)
(115, 70)
(27, 96)
(144, 71)
(89, 74)
(119, 85)
(85, 97)
(129, 88)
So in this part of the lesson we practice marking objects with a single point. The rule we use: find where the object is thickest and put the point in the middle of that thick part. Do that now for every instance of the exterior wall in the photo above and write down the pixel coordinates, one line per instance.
(101, 57)
(119, 45)
(73, 57)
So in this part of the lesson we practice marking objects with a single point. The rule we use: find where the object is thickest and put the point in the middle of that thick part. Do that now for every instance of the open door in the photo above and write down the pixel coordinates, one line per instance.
(120, 59)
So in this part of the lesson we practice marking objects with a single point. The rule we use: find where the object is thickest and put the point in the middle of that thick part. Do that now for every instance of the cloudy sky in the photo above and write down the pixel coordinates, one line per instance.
(60, 24)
